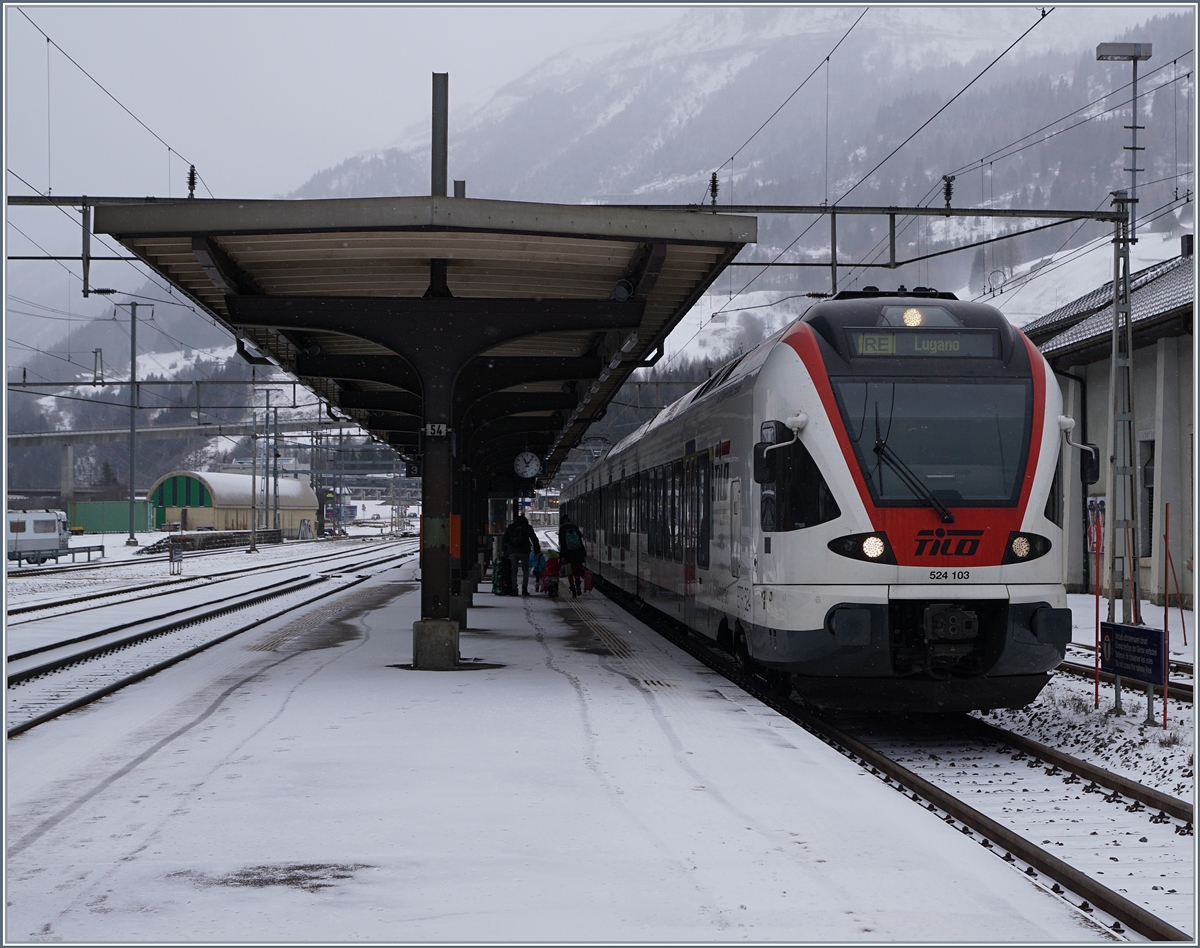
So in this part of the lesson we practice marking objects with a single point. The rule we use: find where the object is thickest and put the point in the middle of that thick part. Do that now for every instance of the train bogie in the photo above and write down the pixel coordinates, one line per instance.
(863, 503)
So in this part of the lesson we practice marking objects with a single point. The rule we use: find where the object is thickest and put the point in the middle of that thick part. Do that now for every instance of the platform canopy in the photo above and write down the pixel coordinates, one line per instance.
(538, 312)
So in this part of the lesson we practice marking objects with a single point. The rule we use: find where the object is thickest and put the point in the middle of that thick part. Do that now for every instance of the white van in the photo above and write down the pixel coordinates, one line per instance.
(37, 535)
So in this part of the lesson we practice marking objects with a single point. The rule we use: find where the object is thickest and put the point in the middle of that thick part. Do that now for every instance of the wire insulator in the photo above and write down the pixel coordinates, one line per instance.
(192, 181)
(947, 187)
(713, 187)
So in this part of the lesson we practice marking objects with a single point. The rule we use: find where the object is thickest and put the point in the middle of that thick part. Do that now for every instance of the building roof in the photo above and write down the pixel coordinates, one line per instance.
(1047, 327)
(1162, 301)
(404, 263)
(233, 490)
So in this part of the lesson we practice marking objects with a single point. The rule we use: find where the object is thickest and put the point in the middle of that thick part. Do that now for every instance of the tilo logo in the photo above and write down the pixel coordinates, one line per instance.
(938, 542)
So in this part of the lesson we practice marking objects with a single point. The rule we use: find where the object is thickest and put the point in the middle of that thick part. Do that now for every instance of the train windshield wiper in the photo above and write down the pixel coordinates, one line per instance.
(907, 475)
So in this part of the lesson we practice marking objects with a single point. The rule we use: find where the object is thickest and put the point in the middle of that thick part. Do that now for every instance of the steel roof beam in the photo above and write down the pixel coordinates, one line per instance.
(385, 369)
(221, 269)
(485, 375)
(512, 429)
(501, 404)
(400, 403)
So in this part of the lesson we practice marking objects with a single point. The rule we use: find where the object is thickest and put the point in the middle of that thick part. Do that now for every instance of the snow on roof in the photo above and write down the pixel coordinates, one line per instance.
(1078, 310)
(1156, 291)
(233, 490)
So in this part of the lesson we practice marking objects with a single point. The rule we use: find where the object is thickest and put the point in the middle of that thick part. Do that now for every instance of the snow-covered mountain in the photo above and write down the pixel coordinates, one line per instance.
(648, 118)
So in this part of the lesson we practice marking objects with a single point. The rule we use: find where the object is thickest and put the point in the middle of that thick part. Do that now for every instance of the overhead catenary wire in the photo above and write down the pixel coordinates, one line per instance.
(1045, 13)
(816, 68)
(755, 277)
(1000, 153)
(147, 277)
(101, 87)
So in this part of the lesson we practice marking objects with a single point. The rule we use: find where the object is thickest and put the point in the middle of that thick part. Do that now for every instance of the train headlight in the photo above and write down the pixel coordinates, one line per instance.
(1023, 547)
(868, 547)
(873, 547)
(913, 317)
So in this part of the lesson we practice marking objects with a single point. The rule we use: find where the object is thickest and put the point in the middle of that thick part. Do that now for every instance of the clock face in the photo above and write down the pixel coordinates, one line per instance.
(527, 464)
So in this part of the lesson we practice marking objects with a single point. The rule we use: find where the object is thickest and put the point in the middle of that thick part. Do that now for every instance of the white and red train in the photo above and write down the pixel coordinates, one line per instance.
(865, 507)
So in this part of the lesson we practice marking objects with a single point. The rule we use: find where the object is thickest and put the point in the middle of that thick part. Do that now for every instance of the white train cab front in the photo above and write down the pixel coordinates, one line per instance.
(906, 458)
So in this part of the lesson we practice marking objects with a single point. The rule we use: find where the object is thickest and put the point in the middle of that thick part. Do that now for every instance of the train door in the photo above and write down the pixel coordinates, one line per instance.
(689, 542)
(735, 526)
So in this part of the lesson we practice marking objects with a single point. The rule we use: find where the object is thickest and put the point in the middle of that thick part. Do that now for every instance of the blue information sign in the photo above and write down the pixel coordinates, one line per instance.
(1132, 651)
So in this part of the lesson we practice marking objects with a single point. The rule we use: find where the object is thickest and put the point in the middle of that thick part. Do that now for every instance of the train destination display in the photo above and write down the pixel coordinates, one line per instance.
(925, 343)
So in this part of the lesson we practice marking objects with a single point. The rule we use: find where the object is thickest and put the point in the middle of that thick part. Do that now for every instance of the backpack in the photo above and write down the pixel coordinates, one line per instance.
(572, 541)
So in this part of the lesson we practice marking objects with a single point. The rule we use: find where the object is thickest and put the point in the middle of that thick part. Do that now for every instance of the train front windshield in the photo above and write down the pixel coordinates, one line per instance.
(964, 440)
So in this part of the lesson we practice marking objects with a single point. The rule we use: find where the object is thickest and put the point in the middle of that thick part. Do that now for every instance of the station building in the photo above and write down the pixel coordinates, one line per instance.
(1076, 339)
(203, 500)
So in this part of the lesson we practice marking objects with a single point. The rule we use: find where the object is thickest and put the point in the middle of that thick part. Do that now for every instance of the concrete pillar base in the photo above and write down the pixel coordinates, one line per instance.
(435, 644)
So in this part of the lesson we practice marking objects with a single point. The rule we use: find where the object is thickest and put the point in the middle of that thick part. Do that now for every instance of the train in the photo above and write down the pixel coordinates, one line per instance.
(37, 535)
(865, 508)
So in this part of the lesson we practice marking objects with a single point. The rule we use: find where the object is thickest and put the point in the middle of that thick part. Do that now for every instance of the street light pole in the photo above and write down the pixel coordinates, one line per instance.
(276, 525)
(132, 541)
(1121, 506)
(253, 483)
(1132, 53)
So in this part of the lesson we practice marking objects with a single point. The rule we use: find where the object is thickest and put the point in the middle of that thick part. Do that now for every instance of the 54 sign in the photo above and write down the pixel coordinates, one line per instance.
(436, 431)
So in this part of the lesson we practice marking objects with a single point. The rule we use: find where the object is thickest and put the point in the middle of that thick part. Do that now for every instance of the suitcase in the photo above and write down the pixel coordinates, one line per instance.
(587, 580)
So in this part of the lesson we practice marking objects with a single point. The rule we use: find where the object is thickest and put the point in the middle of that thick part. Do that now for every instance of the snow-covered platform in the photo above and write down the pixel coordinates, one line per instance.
(585, 781)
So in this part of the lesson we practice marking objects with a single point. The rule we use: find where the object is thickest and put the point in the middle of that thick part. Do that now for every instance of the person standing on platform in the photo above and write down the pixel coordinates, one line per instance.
(519, 542)
(573, 552)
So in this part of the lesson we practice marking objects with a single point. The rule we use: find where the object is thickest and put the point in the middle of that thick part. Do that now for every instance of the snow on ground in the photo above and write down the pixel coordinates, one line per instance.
(132, 569)
(586, 781)
(1065, 715)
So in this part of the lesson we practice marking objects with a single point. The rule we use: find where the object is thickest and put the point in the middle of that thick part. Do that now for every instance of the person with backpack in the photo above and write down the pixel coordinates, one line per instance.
(519, 542)
(570, 545)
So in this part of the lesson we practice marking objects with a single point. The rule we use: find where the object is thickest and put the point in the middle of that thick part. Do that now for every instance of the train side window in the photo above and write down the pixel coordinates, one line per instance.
(1054, 503)
(677, 510)
(16, 526)
(799, 497)
(665, 511)
(45, 526)
(703, 513)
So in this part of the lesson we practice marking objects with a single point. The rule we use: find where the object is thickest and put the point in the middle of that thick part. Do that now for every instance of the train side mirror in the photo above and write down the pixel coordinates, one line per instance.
(1089, 465)
(764, 464)
(771, 433)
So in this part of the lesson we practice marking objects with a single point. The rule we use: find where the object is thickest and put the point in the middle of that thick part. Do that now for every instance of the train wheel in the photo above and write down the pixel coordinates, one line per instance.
(779, 681)
(741, 654)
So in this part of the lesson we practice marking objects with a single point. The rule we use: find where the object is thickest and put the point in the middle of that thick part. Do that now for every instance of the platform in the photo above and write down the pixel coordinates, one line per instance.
(582, 780)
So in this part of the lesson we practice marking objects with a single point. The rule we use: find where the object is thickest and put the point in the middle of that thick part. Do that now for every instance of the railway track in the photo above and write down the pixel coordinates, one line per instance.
(1019, 791)
(90, 601)
(41, 691)
(141, 561)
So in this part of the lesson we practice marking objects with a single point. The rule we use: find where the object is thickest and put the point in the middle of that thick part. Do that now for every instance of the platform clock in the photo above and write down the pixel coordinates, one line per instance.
(527, 464)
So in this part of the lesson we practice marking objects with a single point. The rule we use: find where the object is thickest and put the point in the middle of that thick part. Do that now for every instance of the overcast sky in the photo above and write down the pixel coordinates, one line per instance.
(262, 97)
(259, 98)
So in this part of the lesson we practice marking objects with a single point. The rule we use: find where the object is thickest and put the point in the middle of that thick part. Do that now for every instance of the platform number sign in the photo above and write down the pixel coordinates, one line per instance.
(436, 431)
